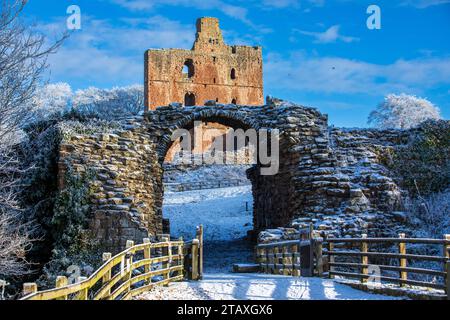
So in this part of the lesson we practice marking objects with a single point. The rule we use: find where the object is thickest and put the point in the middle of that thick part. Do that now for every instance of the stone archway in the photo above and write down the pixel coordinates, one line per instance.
(324, 174)
(275, 197)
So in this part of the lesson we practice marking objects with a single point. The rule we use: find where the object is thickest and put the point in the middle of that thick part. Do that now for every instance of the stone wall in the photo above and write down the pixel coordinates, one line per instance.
(211, 63)
(127, 178)
(334, 178)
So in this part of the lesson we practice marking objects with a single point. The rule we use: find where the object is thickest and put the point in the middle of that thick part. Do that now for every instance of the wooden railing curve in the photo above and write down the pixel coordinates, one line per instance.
(122, 278)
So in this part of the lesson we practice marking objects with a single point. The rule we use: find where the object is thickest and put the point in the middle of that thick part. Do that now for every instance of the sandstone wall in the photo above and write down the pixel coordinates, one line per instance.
(127, 201)
(333, 178)
(212, 62)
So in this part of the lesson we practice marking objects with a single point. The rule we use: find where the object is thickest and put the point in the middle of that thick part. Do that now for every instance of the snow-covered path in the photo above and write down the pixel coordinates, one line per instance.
(228, 286)
(226, 215)
(226, 220)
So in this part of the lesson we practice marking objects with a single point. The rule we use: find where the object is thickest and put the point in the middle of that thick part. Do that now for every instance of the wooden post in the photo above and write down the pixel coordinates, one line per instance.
(447, 278)
(311, 231)
(200, 252)
(29, 288)
(286, 262)
(82, 294)
(181, 256)
(270, 260)
(165, 253)
(446, 252)
(447, 265)
(364, 258)
(61, 281)
(147, 254)
(402, 250)
(129, 257)
(330, 259)
(318, 247)
(194, 255)
(107, 277)
(306, 258)
(295, 261)
(275, 261)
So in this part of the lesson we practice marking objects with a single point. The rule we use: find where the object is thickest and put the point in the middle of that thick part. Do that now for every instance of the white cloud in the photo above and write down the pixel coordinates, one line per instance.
(421, 4)
(291, 3)
(328, 36)
(102, 52)
(233, 11)
(333, 75)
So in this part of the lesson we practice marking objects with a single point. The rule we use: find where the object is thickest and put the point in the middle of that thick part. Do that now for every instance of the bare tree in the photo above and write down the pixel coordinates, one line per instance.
(23, 59)
(14, 235)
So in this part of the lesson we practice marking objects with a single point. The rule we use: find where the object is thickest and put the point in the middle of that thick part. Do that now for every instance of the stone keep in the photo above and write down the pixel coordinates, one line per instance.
(212, 70)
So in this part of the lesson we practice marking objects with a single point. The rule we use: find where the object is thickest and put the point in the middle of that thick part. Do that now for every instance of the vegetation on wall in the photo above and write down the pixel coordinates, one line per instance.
(72, 244)
(423, 165)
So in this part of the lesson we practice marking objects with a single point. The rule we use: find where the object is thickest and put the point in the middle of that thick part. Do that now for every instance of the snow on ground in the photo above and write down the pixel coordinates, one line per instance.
(226, 222)
(221, 211)
(219, 286)
(224, 217)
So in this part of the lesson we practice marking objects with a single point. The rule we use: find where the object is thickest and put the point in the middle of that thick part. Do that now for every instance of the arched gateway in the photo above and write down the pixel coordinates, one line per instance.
(312, 181)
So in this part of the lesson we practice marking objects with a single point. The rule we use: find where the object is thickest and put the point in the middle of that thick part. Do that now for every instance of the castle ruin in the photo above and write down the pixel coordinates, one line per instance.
(212, 70)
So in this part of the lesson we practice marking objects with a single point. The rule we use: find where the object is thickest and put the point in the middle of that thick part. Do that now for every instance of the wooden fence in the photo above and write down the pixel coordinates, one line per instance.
(136, 270)
(356, 258)
(200, 185)
(364, 270)
(295, 257)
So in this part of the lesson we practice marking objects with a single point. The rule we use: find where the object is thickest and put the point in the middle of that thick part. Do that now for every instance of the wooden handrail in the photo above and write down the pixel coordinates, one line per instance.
(389, 240)
(62, 292)
(401, 255)
(388, 255)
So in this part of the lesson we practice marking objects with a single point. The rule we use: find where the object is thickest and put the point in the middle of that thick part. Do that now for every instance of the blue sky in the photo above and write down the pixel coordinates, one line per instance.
(316, 52)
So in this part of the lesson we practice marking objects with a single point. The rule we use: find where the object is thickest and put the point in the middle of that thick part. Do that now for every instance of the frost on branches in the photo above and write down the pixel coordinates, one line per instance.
(403, 112)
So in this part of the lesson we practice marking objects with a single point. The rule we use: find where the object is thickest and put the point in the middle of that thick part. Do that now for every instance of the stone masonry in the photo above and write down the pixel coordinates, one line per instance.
(212, 70)
(333, 178)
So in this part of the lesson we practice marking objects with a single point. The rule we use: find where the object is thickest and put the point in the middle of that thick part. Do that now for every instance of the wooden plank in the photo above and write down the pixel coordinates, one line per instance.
(390, 240)
(388, 255)
(391, 268)
(280, 244)
(391, 279)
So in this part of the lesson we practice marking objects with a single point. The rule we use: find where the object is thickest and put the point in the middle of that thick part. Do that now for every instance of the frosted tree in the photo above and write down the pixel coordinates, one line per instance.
(403, 112)
(23, 61)
(110, 104)
(51, 99)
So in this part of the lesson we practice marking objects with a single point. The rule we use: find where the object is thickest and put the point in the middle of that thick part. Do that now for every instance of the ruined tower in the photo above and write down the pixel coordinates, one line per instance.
(212, 70)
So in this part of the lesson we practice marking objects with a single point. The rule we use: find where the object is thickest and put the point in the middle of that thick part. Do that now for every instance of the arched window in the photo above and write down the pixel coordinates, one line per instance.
(233, 74)
(188, 68)
(189, 99)
(233, 101)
